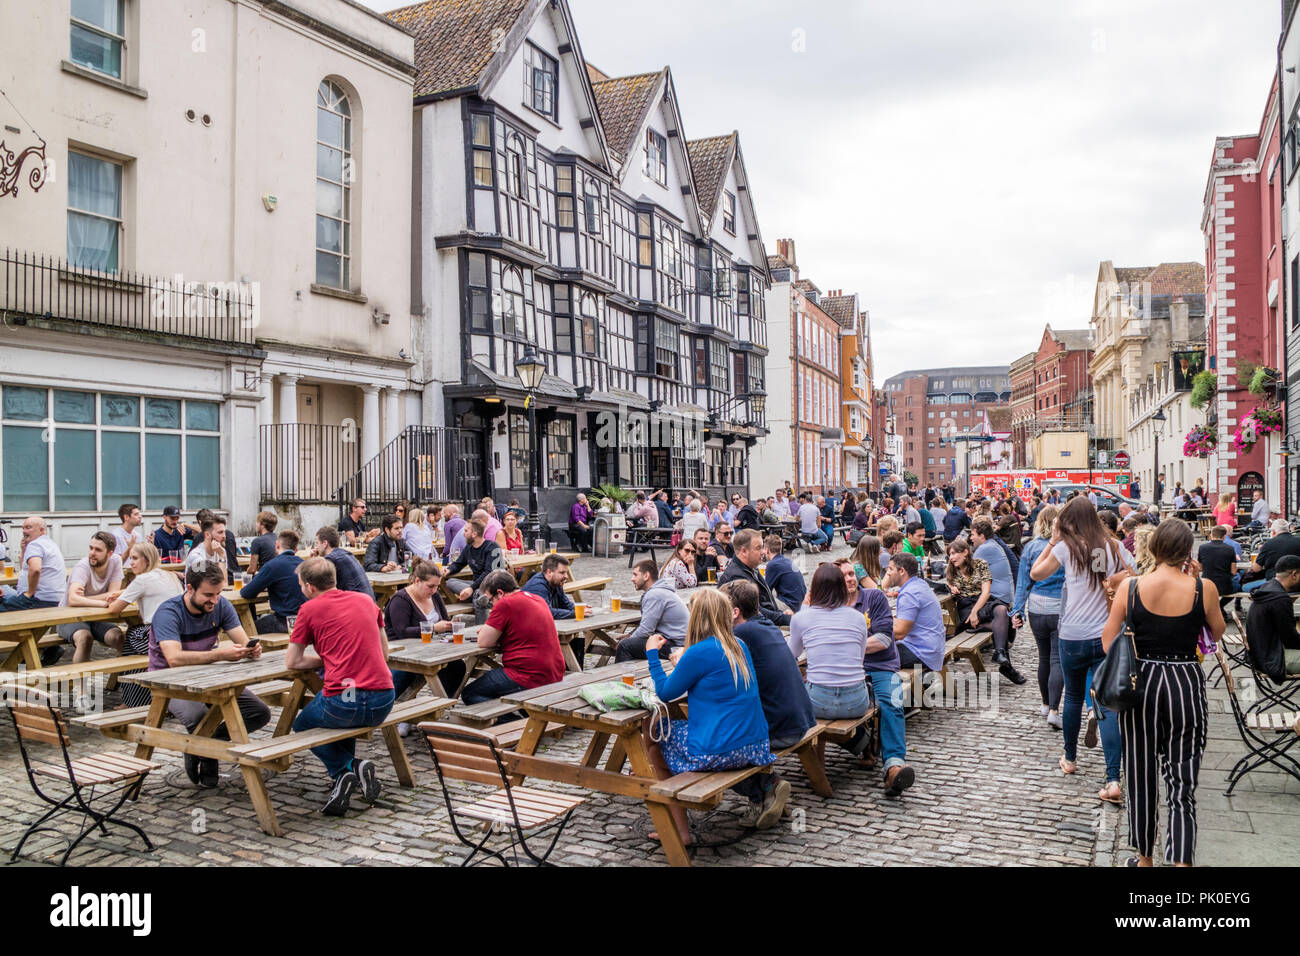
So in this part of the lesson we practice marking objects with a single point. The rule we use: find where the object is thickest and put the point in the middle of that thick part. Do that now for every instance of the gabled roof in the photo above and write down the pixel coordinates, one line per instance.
(842, 308)
(455, 40)
(1168, 278)
(709, 161)
(624, 103)
(1072, 340)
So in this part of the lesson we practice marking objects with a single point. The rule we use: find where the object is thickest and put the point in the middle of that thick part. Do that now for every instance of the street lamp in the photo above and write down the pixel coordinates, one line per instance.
(1159, 416)
(531, 369)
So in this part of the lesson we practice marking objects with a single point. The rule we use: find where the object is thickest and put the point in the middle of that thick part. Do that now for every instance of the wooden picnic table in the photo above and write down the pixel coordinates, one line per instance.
(560, 703)
(387, 583)
(638, 540)
(428, 660)
(25, 629)
(592, 628)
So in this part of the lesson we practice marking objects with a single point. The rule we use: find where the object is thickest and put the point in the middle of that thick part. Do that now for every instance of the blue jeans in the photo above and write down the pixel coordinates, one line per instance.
(817, 537)
(490, 686)
(1253, 585)
(1079, 659)
(893, 728)
(17, 601)
(839, 703)
(368, 708)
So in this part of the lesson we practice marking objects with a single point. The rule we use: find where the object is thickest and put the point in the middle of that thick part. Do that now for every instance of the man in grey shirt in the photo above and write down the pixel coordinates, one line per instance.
(662, 612)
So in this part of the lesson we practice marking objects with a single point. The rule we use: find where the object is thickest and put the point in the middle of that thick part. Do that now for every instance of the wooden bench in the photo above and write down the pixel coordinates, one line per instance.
(966, 646)
(586, 584)
(276, 753)
(49, 640)
(483, 715)
(508, 735)
(67, 673)
(457, 609)
(113, 723)
(842, 731)
(704, 790)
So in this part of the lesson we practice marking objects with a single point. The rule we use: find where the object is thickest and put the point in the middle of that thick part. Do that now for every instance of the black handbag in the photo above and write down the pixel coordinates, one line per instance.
(1117, 683)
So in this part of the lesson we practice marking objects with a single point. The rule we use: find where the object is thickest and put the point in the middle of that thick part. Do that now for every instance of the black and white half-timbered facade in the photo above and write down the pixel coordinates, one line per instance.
(563, 210)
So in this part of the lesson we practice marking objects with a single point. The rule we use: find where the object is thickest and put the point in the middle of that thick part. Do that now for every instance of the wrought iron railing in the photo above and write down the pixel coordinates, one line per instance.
(306, 464)
(36, 286)
(423, 464)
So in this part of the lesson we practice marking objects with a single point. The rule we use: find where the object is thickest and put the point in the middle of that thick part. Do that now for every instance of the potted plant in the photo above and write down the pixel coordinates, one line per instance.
(1200, 441)
(1264, 380)
(1204, 385)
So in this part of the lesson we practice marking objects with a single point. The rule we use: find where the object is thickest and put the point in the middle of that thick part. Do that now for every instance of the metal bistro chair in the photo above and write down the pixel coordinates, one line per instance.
(36, 721)
(462, 753)
(1267, 737)
(1283, 696)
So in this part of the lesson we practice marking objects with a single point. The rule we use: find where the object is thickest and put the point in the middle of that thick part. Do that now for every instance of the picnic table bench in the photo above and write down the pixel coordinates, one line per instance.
(646, 539)
(22, 630)
(592, 628)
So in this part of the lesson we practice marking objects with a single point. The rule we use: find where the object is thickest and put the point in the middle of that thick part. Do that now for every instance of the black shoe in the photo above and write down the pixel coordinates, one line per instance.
(51, 656)
(192, 768)
(898, 779)
(209, 776)
(344, 786)
(365, 770)
(1010, 673)
(1001, 657)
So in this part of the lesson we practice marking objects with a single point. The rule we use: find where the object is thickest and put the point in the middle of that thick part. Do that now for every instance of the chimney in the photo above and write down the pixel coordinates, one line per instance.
(785, 249)
(1179, 321)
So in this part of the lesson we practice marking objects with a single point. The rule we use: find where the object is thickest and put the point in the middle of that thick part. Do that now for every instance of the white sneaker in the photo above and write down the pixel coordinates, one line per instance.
(1044, 710)
(1054, 719)
(403, 730)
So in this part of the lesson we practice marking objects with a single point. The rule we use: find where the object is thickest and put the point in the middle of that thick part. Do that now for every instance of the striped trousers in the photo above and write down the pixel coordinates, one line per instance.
(1167, 730)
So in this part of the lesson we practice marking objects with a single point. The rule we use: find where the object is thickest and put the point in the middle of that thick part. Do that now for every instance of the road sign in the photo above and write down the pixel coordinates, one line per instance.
(1121, 459)
(1101, 458)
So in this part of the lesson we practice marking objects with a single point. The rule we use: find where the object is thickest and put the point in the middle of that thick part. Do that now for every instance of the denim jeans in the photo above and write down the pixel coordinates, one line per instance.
(893, 727)
(1079, 659)
(14, 600)
(490, 686)
(366, 708)
(817, 537)
(839, 703)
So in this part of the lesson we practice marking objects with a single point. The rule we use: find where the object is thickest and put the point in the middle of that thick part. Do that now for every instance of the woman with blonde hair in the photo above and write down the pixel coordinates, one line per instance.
(866, 561)
(725, 728)
(418, 534)
(1225, 513)
(150, 585)
(1142, 548)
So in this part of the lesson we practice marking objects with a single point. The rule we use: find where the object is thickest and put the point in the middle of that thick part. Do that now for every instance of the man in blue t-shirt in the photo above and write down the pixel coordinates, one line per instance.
(279, 579)
(786, 704)
(184, 632)
(781, 575)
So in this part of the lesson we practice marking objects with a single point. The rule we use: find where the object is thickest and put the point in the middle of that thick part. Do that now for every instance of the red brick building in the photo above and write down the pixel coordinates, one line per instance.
(931, 406)
(1022, 408)
(1242, 224)
(1051, 390)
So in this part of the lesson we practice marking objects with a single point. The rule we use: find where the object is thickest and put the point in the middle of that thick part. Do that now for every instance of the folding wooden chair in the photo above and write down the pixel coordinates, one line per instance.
(37, 722)
(463, 753)
(1267, 737)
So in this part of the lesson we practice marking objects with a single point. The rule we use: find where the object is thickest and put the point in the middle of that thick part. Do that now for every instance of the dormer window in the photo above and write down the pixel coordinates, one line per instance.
(729, 212)
(541, 80)
(656, 157)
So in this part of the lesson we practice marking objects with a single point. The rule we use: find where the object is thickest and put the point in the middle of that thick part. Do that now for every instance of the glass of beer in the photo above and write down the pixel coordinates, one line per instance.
(539, 545)
(762, 570)
(713, 575)
(553, 547)
(458, 631)
(291, 619)
(616, 603)
(579, 611)
(426, 632)
(629, 680)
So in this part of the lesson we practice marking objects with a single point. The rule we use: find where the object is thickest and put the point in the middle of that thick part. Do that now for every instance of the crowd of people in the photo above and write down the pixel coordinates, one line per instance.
(1078, 574)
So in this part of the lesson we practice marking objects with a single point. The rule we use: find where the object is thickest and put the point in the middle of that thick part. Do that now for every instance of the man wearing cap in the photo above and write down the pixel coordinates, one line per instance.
(171, 536)
(1270, 625)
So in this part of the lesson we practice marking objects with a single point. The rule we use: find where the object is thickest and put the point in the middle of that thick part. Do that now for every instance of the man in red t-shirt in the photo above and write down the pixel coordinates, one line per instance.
(346, 630)
(521, 624)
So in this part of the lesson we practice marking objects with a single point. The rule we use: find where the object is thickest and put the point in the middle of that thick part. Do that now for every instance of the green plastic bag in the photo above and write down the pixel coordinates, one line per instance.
(609, 696)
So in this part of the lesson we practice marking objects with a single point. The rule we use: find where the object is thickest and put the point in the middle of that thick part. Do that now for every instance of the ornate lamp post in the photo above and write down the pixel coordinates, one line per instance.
(531, 368)
(1160, 418)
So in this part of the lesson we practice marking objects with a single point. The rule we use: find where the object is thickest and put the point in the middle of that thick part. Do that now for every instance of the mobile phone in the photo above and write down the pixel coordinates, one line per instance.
(254, 641)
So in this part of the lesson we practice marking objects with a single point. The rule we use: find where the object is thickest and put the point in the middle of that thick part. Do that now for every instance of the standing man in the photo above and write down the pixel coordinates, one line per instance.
(262, 549)
(387, 552)
(279, 578)
(184, 632)
(349, 575)
(97, 574)
(127, 535)
(662, 612)
(346, 632)
(40, 572)
(171, 536)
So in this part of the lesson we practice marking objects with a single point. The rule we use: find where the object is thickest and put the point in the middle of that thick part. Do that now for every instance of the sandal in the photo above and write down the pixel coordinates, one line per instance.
(1105, 793)
(1067, 766)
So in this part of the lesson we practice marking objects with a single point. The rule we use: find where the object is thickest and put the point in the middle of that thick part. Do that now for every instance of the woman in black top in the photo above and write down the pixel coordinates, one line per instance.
(1167, 730)
(420, 601)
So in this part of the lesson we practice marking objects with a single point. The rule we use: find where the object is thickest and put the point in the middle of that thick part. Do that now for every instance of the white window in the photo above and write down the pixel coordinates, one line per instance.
(729, 212)
(94, 212)
(930, 430)
(541, 78)
(656, 157)
(333, 187)
(98, 35)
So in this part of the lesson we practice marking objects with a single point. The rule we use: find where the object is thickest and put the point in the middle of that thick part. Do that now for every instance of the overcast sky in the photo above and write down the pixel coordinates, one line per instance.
(964, 165)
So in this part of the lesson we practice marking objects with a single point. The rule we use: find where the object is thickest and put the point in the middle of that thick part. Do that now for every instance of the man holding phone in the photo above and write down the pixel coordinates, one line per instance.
(185, 630)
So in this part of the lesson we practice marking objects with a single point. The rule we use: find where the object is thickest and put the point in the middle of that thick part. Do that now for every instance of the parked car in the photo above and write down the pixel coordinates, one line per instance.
(1107, 498)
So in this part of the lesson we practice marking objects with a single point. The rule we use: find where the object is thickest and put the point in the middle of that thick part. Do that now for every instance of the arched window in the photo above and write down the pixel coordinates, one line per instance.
(511, 300)
(333, 187)
(590, 332)
(515, 165)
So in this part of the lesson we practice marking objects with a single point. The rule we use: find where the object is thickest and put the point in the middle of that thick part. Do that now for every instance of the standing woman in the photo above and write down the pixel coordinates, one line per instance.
(418, 535)
(1168, 729)
(1041, 601)
(1225, 513)
(725, 728)
(1094, 564)
(150, 585)
(834, 636)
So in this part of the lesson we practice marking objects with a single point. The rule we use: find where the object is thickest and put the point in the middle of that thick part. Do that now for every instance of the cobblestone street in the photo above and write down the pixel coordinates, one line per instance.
(987, 792)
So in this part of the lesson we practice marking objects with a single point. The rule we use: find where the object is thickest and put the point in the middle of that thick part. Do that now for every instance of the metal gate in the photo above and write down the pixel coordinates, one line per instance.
(469, 467)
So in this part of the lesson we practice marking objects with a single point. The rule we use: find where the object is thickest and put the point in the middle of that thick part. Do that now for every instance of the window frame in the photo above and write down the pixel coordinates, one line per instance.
(118, 39)
(538, 62)
(344, 220)
(118, 221)
(656, 157)
(729, 212)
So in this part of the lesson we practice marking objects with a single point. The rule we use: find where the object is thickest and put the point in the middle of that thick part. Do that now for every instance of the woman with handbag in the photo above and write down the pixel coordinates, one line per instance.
(1094, 563)
(1165, 728)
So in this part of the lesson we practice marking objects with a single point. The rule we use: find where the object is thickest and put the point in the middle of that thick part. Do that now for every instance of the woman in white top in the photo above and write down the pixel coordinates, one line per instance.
(938, 512)
(693, 520)
(417, 534)
(150, 586)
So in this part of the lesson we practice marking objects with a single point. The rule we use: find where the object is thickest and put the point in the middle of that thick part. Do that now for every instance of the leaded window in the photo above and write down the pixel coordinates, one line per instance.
(333, 186)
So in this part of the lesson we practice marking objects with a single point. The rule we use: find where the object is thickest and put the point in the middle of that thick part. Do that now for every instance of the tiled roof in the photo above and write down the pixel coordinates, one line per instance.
(455, 39)
(622, 103)
(777, 262)
(709, 164)
(841, 308)
(1168, 278)
(595, 74)
(1129, 276)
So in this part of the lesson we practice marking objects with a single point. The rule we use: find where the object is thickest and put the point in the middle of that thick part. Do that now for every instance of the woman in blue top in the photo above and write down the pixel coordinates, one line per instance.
(725, 728)
(1042, 601)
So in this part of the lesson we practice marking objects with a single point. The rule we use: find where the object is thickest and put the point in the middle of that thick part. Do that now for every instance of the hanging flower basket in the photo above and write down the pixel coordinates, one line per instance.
(1200, 441)
(1258, 422)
